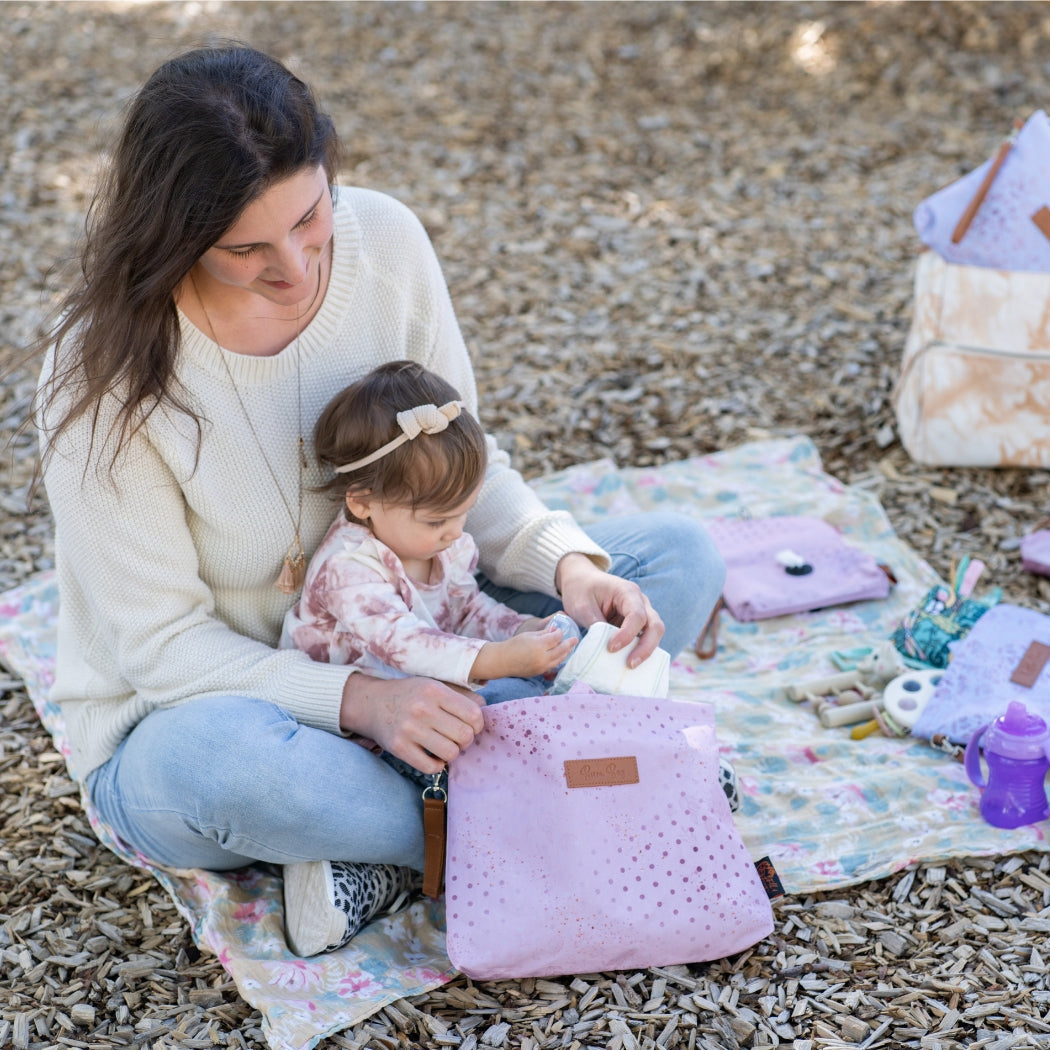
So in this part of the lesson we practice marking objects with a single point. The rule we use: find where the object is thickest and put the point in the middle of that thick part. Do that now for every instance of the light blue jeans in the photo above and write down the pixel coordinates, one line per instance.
(225, 781)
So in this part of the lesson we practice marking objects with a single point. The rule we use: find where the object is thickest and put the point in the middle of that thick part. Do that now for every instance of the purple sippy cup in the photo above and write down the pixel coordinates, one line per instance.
(1016, 750)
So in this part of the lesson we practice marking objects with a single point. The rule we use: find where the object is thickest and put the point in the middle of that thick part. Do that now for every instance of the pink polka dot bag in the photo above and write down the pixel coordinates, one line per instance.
(590, 833)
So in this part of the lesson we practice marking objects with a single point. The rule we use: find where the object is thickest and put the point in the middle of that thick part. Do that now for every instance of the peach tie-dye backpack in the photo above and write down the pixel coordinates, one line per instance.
(974, 388)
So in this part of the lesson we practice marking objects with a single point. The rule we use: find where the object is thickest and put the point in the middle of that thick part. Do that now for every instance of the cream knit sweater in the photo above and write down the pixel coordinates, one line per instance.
(166, 569)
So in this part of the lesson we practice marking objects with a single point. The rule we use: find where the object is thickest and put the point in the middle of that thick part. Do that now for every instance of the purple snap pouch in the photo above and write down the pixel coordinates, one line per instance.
(781, 565)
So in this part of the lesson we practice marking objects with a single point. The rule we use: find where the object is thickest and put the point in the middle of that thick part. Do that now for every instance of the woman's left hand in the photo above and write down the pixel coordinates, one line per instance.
(589, 595)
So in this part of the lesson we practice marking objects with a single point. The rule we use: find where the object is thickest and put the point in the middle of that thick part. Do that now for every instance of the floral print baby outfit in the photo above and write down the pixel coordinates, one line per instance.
(360, 608)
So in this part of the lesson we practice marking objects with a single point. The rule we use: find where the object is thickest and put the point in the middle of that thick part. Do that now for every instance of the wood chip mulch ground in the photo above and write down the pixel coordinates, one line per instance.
(668, 228)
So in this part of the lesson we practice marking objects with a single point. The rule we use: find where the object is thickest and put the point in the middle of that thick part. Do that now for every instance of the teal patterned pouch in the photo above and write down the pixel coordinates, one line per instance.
(945, 614)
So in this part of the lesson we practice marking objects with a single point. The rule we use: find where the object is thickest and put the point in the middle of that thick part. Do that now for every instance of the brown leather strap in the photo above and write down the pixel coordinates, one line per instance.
(434, 811)
(986, 184)
(707, 643)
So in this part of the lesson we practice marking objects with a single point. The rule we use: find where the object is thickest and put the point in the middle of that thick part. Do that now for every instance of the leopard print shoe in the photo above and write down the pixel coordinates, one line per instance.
(327, 902)
(728, 782)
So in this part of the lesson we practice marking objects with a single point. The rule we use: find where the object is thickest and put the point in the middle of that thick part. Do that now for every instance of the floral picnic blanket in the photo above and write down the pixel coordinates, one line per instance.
(828, 810)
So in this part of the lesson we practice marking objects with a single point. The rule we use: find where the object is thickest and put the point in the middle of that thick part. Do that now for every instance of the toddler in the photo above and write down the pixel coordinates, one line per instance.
(391, 589)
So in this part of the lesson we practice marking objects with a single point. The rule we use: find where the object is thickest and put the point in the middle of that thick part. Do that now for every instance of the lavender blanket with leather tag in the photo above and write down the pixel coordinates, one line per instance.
(784, 564)
(1002, 658)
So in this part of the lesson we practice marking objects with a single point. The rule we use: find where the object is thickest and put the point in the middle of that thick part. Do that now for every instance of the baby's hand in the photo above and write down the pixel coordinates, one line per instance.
(537, 648)
(536, 651)
(535, 623)
(559, 621)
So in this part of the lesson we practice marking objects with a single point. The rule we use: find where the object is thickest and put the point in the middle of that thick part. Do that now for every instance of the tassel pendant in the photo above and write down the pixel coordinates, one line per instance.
(293, 571)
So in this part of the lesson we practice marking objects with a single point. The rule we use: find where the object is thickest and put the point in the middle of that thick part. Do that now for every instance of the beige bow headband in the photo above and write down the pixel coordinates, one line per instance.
(423, 419)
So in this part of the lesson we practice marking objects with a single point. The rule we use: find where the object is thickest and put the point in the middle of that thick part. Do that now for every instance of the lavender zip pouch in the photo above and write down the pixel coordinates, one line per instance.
(781, 565)
(1035, 550)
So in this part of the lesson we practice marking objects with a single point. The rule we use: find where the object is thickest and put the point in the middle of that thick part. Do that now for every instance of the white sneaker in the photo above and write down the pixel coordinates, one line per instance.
(327, 902)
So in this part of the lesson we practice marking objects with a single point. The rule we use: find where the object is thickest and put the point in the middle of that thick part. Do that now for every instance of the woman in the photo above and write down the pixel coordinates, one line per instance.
(227, 292)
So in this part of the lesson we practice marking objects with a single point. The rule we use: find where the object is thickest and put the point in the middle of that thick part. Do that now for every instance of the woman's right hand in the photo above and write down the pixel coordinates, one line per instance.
(424, 722)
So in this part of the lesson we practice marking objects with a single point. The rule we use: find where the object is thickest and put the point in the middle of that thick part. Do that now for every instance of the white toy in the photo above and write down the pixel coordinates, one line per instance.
(869, 676)
(904, 699)
(882, 664)
(816, 689)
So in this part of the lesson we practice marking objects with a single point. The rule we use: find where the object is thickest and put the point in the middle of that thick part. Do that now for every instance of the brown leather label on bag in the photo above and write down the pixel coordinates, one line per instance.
(1032, 663)
(1042, 219)
(601, 772)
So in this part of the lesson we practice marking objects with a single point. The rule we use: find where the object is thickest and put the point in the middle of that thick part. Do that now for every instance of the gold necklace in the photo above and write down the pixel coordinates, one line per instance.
(293, 568)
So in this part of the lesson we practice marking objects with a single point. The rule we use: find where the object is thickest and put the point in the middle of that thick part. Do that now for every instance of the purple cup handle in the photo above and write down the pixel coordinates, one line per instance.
(972, 759)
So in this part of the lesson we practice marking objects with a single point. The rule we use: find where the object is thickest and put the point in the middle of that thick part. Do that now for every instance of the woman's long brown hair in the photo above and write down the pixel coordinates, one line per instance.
(205, 136)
